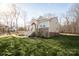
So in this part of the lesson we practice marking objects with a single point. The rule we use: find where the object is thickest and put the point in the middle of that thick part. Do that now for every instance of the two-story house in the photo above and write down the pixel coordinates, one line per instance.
(45, 26)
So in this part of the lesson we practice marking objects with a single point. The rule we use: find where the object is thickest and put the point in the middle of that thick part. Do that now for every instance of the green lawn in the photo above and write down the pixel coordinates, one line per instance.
(58, 45)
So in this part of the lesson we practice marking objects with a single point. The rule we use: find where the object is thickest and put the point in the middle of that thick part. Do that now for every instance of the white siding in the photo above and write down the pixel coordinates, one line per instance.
(54, 25)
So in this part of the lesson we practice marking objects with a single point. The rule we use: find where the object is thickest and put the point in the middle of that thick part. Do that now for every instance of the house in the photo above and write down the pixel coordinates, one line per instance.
(45, 26)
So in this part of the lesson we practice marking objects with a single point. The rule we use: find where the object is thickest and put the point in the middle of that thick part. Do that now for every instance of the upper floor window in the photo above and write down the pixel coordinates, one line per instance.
(43, 26)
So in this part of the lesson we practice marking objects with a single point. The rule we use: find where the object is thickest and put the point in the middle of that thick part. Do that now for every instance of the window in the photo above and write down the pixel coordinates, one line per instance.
(43, 26)
(40, 26)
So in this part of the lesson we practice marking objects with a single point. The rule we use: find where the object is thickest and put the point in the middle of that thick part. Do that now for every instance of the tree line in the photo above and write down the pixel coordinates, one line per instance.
(71, 24)
(10, 20)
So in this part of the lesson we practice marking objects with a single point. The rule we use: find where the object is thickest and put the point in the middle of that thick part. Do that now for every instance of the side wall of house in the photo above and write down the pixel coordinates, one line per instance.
(53, 27)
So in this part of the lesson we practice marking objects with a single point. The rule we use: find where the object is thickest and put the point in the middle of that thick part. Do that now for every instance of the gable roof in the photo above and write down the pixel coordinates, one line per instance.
(46, 19)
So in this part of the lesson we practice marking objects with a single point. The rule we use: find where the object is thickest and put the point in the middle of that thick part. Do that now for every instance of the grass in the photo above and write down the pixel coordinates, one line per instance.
(55, 46)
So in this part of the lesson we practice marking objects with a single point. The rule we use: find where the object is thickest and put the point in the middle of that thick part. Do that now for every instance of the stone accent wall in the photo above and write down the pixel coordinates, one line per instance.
(53, 34)
(43, 32)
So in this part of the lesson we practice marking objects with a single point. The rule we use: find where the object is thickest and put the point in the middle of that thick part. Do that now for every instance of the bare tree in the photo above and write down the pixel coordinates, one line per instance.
(74, 14)
(71, 24)
(24, 19)
(14, 15)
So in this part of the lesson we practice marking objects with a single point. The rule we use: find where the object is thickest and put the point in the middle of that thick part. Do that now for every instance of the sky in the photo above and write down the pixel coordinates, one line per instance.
(33, 10)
